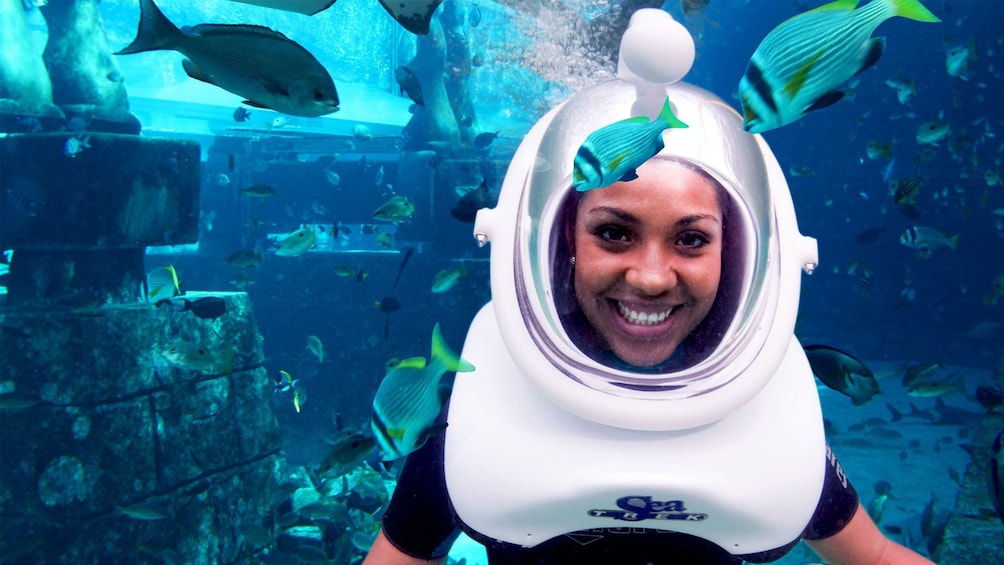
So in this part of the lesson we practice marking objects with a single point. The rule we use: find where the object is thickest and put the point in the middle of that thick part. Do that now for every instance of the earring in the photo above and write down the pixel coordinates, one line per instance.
(572, 260)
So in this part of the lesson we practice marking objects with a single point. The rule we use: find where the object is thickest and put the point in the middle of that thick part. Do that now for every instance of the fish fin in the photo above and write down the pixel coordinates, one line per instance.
(192, 70)
(913, 10)
(828, 99)
(410, 17)
(953, 242)
(896, 415)
(255, 104)
(442, 351)
(155, 31)
(307, 8)
(395, 433)
(875, 48)
(630, 175)
(845, 5)
(412, 363)
(798, 79)
(669, 117)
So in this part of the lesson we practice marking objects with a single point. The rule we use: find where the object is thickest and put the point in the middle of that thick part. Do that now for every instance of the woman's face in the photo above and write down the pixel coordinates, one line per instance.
(648, 260)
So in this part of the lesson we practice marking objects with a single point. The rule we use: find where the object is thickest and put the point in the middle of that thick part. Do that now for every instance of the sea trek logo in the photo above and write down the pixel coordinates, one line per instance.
(636, 508)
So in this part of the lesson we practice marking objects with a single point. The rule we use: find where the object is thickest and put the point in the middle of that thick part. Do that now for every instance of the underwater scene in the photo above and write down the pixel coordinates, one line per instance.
(225, 223)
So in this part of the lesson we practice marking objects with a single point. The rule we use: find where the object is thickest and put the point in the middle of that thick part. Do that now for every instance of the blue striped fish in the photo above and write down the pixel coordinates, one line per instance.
(799, 65)
(411, 396)
(612, 153)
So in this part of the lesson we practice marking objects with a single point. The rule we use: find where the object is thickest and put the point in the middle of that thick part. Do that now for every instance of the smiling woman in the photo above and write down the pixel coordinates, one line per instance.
(646, 261)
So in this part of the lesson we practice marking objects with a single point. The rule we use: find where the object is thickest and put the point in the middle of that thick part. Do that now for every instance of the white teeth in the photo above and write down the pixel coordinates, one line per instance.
(642, 318)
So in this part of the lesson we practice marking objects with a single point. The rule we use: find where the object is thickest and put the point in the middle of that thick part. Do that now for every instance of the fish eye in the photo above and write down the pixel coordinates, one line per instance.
(319, 95)
(202, 351)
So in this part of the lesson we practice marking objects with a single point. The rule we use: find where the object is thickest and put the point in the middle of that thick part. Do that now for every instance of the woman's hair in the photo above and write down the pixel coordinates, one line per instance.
(704, 339)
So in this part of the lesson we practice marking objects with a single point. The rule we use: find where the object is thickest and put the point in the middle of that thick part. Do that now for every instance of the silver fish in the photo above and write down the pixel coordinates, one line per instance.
(258, 63)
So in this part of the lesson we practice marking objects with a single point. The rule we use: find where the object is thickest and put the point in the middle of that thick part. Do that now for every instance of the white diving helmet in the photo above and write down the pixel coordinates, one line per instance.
(738, 348)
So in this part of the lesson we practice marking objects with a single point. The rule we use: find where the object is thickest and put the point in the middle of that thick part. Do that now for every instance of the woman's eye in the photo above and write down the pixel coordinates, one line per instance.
(691, 239)
(611, 233)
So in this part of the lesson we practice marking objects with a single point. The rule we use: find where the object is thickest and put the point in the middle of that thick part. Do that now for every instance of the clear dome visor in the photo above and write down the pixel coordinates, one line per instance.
(715, 144)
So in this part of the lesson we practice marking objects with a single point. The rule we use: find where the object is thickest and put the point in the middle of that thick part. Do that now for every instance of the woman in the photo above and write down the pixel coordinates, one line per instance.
(639, 396)
(648, 261)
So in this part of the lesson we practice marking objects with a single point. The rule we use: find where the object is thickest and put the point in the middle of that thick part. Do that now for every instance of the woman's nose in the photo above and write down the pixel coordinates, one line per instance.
(652, 273)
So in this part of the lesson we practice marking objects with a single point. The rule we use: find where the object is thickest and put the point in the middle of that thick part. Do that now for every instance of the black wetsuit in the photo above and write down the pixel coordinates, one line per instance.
(420, 521)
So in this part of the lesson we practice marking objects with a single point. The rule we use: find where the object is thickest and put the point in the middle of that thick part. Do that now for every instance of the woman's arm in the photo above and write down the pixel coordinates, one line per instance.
(861, 542)
(384, 553)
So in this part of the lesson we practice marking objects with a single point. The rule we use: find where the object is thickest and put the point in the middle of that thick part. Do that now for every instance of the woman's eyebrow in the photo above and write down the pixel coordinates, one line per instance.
(622, 215)
(694, 218)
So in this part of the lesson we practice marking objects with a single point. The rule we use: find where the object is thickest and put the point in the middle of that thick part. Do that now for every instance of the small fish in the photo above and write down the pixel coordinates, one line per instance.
(395, 210)
(242, 114)
(388, 304)
(995, 475)
(796, 171)
(613, 153)
(447, 278)
(928, 239)
(474, 15)
(989, 397)
(691, 7)
(485, 139)
(906, 192)
(297, 243)
(930, 388)
(384, 239)
(242, 280)
(17, 401)
(870, 235)
(193, 356)
(996, 291)
(411, 396)
(245, 258)
(957, 59)
(206, 308)
(408, 82)
(888, 170)
(146, 511)
(348, 450)
(260, 190)
(466, 209)
(162, 283)
(413, 15)
(260, 64)
(799, 66)
(905, 89)
(920, 372)
(843, 373)
(316, 347)
(28, 124)
(299, 397)
(332, 177)
(992, 177)
(932, 132)
(362, 132)
(877, 150)
(75, 145)
(285, 382)
(222, 180)
(877, 507)
(278, 122)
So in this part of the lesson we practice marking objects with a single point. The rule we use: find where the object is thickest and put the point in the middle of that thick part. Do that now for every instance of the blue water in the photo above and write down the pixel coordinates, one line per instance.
(841, 195)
